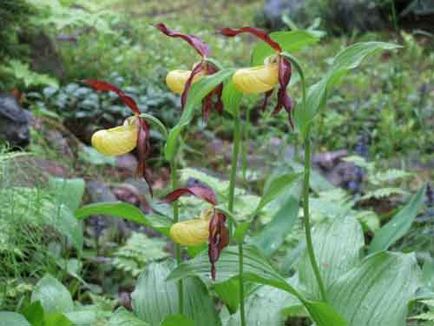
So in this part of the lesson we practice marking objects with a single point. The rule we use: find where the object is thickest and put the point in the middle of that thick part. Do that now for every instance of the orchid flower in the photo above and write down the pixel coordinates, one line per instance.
(180, 81)
(276, 70)
(133, 133)
(208, 227)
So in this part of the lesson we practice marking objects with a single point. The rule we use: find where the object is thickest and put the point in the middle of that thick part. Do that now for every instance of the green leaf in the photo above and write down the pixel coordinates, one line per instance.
(56, 319)
(154, 298)
(231, 98)
(54, 297)
(198, 91)
(274, 187)
(263, 307)
(256, 269)
(240, 231)
(335, 253)
(127, 211)
(68, 191)
(35, 313)
(399, 224)
(269, 239)
(177, 320)
(66, 223)
(9, 318)
(292, 41)
(349, 58)
(123, 317)
(377, 292)
(155, 121)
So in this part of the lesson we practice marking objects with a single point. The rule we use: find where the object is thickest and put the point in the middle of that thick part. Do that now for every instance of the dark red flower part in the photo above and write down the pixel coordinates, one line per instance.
(201, 192)
(266, 98)
(283, 100)
(143, 140)
(196, 70)
(103, 86)
(259, 33)
(143, 150)
(200, 46)
(218, 239)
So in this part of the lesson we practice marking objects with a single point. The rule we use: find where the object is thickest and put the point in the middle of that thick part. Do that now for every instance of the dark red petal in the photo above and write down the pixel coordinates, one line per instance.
(266, 98)
(196, 70)
(219, 103)
(104, 86)
(201, 192)
(283, 100)
(143, 150)
(218, 239)
(200, 46)
(207, 106)
(259, 33)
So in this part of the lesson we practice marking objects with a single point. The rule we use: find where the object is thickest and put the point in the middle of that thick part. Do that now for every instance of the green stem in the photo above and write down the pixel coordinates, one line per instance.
(310, 250)
(235, 155)
(174, 184)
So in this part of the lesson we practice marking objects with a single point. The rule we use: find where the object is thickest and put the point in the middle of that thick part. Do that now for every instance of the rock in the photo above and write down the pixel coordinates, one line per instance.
(14, 122)
(338, 15)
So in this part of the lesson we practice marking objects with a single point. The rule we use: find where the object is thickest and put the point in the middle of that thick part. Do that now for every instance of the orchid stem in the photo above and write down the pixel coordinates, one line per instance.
(306, 218)
(174, 184)
(234, 165)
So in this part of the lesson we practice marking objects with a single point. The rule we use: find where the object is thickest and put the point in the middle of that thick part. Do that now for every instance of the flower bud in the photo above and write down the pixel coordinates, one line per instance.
(117, 141)
(176, 80)
(192, 232)
(256, 80)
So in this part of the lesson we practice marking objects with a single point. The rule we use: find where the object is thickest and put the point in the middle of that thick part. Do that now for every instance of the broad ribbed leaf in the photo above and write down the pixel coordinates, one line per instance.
(54, 297)
(264, 307)
(269, 239)
(378, 291)
(9, 318)
(127, 211)
(154, 298)
(178, 320)
(274, 187)
(198, 91)
(337, 245)
(292, 41)
(349, 58)
(399, 224)
(123, 317)
(258, 270)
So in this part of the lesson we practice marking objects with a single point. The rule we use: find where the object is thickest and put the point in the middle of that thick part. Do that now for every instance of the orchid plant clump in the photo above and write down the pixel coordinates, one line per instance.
(228, 270)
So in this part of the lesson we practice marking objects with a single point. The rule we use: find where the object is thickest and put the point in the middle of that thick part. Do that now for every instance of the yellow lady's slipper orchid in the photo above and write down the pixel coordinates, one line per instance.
(117, 141)
(176, 80)
(192, 232)
(256, 80)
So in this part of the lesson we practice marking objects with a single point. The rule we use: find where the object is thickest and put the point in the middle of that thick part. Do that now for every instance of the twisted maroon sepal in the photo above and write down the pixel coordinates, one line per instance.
(143, 139)
(200, 46)
(283, 99)
(218, 239)
(257, 32)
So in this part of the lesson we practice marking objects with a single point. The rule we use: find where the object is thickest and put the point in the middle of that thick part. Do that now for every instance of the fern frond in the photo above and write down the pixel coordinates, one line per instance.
(137, 252)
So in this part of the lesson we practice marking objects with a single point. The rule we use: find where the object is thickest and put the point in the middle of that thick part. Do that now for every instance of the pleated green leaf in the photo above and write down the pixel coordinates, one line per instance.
(378, 291)
(258, 270)
(154, 298)
(126, 211)
(349, 58)
(337, 244)
(53, 295)
(9, 318)
(399, 224)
